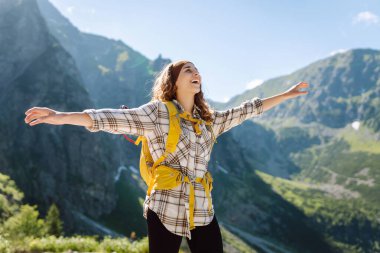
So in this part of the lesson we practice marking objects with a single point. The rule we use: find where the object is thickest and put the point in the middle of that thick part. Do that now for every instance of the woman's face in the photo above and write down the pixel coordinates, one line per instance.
(189, 80)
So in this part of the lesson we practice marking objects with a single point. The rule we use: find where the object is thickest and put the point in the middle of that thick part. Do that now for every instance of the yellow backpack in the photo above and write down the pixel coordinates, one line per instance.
(147, 165)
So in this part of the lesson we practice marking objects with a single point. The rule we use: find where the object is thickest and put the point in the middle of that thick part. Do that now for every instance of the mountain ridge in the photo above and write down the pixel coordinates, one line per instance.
(296, 147)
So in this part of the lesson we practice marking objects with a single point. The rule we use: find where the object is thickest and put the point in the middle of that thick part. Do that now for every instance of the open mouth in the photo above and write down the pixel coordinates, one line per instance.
(195, 81)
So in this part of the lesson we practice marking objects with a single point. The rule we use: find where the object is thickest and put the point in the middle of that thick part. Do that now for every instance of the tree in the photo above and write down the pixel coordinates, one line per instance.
(10, 197)
(25, 223)
(53, 223)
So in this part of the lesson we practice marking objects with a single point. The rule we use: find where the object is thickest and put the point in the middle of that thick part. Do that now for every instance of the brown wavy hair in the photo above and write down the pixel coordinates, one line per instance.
(164, 90)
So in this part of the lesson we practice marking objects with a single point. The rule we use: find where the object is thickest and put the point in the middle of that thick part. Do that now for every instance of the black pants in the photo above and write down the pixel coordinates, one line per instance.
(203, 238)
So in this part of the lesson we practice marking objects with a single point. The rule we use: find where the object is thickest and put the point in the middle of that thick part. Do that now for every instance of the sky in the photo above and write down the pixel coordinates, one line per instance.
(236, 45)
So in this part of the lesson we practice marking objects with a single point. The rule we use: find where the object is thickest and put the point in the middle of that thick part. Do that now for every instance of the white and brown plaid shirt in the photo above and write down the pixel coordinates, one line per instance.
(191, 156)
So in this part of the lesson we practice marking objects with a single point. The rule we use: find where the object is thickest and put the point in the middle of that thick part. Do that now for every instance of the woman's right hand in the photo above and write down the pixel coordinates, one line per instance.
(38, 115)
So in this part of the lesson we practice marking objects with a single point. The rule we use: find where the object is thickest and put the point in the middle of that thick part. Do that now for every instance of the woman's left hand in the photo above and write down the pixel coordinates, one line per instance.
(294, 90)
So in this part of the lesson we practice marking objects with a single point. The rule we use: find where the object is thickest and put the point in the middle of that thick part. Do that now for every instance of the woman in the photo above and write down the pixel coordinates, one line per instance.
(167, 211)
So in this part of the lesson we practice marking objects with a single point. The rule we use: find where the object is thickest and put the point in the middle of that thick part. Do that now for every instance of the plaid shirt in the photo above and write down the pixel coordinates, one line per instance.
(191, 156)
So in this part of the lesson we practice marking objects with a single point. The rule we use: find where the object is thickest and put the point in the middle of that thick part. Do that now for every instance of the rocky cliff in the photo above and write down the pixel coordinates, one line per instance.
(49, 163)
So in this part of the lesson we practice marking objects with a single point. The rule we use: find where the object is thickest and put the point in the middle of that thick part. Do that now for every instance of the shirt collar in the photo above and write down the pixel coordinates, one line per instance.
(196, 109)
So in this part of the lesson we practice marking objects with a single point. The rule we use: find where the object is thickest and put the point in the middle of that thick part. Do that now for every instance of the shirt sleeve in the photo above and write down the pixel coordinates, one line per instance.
(225, 120)
(134, 121)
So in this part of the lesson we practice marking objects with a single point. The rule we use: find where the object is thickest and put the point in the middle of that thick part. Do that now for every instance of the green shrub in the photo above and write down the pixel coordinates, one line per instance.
(10, 197)
(4, 245)
(61, 244)
(24, 223)
(83, 244)
(124, 245)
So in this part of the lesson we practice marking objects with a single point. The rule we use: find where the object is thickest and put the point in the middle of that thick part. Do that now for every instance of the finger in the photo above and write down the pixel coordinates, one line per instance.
(33, 123)
(32, 118)
(31, 110)
(38, 121)
(302, 84)
(30, 115)
(27, 111)
(302, 88)
(34, 109)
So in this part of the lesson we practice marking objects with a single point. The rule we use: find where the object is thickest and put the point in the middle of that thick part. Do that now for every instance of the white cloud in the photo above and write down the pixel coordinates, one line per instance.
(366, 17)
(338, 51)
(70, 9)
(254, 83)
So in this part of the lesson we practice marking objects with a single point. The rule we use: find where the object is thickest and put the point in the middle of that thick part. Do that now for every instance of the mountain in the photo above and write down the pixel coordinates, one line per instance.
(330, 138)
(343, 88)
(248, 206)
(292, 180)
(113, 73)
(50, 164)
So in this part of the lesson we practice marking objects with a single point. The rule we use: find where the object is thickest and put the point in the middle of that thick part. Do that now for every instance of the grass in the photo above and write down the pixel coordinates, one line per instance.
(350, 160)
(76, 243)
(340, 219)
(360, 140)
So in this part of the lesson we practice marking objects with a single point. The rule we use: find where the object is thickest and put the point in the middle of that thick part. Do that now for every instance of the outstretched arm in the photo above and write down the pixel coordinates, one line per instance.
(225, 120)
(38, 115)
(292, 92)
(136, 121)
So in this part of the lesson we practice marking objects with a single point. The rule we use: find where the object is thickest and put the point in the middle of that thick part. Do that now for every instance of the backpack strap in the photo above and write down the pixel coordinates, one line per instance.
(173, 137)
